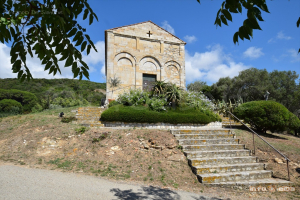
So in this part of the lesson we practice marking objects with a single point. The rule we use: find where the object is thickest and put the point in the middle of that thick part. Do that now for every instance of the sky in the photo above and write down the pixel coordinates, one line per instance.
(210, 51)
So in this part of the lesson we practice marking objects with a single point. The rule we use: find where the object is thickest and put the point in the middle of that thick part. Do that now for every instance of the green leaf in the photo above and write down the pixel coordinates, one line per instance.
(218, 22)
(51, 69)
(76, 72)
(12, 31)
(85, 73)
(23, 78)
(236, 37)
(227, 14)
(79, 41)
(240, 7)
(45, 60)
(72, 32)
(264, 7)
(48, 65)
(29, 50)
(257, 14)
(241, 33)
(13, 58)
(88, 49)
(20, 74)
(254, 23)
(83, 45)
(69, 61)
(86, 12)
(74, 66)
(16, 66)
(78, 34)
(55, 71)
(91, 18)
(65, 54)
(298, 22)
(224, 20)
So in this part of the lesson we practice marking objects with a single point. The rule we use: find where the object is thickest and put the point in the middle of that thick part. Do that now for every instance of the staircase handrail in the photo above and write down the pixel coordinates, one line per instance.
(253, 132)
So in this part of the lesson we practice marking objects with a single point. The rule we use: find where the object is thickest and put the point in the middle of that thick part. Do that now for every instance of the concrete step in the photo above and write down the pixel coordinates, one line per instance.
(217, 153)
(227, 168)
(202, 136)
(234, 176)
(266, 182)
(213, 147)
(202, 131)
(208, 141)
(221, 160)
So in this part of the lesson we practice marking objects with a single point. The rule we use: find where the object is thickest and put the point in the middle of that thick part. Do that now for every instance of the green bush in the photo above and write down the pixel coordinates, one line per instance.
(113, 103)
(68, 102)
(267, 115)
(37, 108)
(10, 106)
(142, 114)
(27, 99)
(157, 104)
(133, 97)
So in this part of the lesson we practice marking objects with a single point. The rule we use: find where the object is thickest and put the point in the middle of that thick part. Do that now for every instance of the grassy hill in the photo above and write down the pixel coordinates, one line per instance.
(47, 90)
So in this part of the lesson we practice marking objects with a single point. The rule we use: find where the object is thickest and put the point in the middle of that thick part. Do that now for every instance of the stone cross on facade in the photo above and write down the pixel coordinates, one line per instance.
(149, 33)
(138, 60)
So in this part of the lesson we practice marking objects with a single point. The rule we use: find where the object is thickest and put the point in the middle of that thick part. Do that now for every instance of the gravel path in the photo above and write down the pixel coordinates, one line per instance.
(26, 183)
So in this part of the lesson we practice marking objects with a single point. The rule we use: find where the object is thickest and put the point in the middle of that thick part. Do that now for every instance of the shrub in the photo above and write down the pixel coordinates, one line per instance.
(157, 104)
(113, 103)
(67, 102)
(68, 119)
(197, 100)
(37, 108)
(267, 115)
(27, 99)
(141, 114)
(10, 106)
(133, 97)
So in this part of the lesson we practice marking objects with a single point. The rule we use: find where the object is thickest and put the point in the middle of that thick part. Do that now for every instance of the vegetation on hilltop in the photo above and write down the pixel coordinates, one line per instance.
(49, 93)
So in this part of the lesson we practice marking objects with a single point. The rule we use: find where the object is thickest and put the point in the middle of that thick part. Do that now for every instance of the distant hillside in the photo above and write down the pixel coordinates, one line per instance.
(53, 88)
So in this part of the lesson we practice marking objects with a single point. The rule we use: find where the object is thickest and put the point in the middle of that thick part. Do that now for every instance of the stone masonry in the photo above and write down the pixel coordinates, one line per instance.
(135, 51)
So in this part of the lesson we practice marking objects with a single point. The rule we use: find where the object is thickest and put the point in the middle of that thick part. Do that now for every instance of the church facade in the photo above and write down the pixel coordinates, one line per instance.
(140, 54)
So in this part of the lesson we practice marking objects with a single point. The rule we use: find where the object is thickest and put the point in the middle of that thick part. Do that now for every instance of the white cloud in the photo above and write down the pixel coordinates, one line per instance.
(34, 65)
(168, 27)
(95, 60)
(281, 35)
(190, 39)
(211, 65)
(294, 55)
(103, 69)
(253, 52)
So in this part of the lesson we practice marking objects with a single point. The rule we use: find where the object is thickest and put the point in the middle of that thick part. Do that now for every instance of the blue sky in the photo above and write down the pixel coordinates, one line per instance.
(210, 51)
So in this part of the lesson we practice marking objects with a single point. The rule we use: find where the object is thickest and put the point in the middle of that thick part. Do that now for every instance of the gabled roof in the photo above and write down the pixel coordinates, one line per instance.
(112, 29)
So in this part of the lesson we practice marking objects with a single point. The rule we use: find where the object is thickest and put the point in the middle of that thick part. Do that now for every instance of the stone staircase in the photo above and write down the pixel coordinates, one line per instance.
(89, 116)
(217, 158)
(226, 122)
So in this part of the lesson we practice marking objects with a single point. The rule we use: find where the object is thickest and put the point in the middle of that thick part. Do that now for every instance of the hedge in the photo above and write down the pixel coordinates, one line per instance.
(27, 99)
(142, 114)
(267, 115)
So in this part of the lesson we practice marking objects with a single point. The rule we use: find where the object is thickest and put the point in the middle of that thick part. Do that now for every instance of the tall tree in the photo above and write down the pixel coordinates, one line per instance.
(284, 87)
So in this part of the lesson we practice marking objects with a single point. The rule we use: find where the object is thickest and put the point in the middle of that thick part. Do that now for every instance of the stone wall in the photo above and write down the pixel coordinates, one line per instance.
(131, 52)
(163, 125)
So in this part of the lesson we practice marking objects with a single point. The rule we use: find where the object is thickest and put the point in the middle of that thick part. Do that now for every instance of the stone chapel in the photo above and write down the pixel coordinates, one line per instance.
(140, 54)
